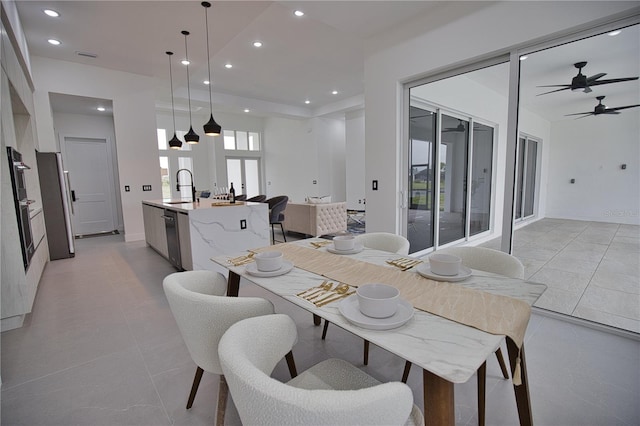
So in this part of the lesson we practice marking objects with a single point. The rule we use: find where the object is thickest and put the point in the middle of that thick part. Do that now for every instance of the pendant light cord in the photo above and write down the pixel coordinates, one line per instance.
(186, 52)
(171, 79)
(206, 21)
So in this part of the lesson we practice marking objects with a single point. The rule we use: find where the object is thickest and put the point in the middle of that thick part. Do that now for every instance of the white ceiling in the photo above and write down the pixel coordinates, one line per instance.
(302, 58)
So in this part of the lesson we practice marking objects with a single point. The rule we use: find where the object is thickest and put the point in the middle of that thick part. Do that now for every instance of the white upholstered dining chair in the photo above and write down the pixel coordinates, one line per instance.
(203, 313)
(332, 392)
(384, 241)
(497, 262)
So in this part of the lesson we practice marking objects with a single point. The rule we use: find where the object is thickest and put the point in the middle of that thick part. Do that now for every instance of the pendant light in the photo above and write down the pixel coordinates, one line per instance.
(211, 128)
(191, 137)
(174, 143)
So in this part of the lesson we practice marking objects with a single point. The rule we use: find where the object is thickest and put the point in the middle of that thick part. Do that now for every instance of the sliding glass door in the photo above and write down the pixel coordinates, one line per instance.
(526, 177)
(481, 172)
(454, 140)
(422, 137)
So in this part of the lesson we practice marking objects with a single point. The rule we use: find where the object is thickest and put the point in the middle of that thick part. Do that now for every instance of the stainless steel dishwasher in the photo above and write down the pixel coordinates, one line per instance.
(173, 241)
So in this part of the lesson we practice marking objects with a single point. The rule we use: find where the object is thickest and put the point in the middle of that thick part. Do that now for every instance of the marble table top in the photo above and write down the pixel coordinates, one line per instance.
(448, 349)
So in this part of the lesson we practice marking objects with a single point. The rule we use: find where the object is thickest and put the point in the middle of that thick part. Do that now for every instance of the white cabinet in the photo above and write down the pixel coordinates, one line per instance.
(154, 229)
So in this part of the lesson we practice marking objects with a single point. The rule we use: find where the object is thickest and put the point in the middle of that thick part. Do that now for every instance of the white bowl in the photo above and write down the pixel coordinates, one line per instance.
(268, 261)
(344, 242)
(444, 264)
(378, 300)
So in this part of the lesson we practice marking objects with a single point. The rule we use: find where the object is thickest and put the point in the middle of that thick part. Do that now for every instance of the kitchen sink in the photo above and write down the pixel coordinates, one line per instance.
(178, 202)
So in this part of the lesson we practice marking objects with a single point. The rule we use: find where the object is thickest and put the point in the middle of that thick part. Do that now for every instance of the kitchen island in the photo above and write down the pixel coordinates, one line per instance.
(189, 234)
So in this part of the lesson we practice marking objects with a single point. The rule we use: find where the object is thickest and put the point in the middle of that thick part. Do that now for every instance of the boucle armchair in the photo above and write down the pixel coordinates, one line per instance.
(332, 392)
(316, 219)
(203, 313)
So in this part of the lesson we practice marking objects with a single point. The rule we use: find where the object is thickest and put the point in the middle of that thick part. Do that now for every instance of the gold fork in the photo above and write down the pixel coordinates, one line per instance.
(340, 289)
(325, 286)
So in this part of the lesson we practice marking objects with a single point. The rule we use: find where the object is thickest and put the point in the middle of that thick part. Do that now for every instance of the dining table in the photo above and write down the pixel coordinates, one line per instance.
(448, 348)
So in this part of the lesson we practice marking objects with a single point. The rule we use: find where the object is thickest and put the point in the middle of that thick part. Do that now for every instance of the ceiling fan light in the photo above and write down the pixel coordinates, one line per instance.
(211, 128)
(175, 143)
(191, 137)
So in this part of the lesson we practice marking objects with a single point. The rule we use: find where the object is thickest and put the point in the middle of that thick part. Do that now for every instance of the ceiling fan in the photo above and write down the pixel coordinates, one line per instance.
(583, 83)
(602, 109)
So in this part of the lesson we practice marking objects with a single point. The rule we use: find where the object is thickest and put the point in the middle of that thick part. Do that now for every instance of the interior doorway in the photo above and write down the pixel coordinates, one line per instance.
(91, 182)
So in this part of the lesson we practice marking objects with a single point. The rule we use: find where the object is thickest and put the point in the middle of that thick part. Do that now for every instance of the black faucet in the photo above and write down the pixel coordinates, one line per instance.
(193, 187)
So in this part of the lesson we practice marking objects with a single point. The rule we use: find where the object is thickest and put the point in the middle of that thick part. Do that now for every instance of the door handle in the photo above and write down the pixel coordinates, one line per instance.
(73, 195)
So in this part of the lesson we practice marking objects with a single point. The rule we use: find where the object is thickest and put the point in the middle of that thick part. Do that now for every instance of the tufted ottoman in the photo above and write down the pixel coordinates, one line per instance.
(316, 219)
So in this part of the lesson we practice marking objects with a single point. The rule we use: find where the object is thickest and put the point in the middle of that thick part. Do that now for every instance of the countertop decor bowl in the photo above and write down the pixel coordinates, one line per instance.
(378, 300)
(268, 261)
(445, 264)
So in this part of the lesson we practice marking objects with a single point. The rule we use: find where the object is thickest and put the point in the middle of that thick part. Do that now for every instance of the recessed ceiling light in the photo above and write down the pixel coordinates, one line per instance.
(307, 101)
(257, 43)
(206, 82)
(52, 13)
(54, 41)
(523, 57)
(185, 62)
(615, 33)
(101, 109)
(298, 13)
(335, 92)
(228, 66)
(246, 110)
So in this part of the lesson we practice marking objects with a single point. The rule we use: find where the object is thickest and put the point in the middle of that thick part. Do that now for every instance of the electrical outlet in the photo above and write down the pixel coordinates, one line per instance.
(243, 223)
(315, 182)
(146, 187)
(374, 185)
(127, 188)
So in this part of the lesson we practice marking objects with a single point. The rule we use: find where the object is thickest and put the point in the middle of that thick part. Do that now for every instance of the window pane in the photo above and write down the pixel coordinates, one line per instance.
(241, 138)
(453, 175)
(164, 177)
(162, 138)
(234, 174)
(252, 179)
(481, 178)
(184, 179)
(229, 139)
(254, 141)
(422, 134)
(530, 177)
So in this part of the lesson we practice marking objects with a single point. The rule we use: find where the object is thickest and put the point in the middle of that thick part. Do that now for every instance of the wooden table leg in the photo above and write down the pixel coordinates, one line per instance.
(233, 284)
(316, 319)
(439, 406)
(522, 392)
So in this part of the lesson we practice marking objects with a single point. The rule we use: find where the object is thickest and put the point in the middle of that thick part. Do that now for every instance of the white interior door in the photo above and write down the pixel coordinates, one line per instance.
(91, 179)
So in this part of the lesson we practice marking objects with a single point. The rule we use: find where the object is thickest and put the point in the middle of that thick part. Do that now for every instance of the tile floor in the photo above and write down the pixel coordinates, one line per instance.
(102, 348)
(592, 269)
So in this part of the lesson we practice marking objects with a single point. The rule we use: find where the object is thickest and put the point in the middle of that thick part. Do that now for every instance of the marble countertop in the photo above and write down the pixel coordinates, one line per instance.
(185, 206)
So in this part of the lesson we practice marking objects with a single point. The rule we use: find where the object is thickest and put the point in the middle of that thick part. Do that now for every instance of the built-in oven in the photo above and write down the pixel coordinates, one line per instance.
(17, 168)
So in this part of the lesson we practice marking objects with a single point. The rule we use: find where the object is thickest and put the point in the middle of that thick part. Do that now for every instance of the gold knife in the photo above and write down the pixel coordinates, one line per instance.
(333, 299)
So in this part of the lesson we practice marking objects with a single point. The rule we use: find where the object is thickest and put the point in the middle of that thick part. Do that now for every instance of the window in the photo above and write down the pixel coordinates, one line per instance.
(164, 177)
(162, 139)
(237, 140)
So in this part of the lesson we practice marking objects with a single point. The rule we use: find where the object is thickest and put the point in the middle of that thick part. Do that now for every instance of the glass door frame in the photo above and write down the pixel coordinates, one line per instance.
(536, 189)
(241, 189)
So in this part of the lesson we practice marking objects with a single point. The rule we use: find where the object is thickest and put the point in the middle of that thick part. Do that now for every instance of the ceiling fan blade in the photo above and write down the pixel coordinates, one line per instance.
(580, 113)
(613, 80)
(556, 85)
(610, 111)
(593, 78)
(622, 107)
(553, 91)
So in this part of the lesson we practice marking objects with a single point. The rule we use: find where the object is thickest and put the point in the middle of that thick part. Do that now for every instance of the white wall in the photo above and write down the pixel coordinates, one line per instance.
(299, 152)
(355, 167)
(592, 153)
(491, 27)
(134, 125)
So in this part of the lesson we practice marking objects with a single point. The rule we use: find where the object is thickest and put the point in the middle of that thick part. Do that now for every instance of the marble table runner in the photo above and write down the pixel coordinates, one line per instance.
(491, 313)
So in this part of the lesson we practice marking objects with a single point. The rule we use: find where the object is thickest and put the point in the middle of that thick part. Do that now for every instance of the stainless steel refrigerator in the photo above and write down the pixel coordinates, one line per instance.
(56, 204)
